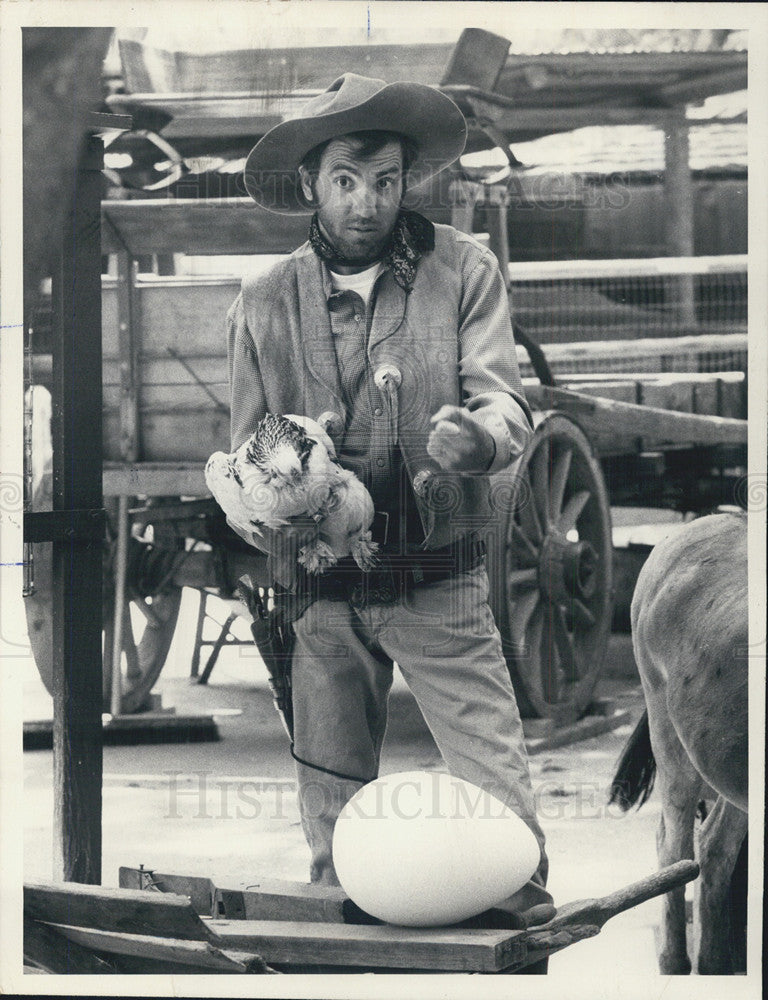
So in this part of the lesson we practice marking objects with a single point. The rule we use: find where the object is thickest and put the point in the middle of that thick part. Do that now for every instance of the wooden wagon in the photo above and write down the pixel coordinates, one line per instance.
(671, 434)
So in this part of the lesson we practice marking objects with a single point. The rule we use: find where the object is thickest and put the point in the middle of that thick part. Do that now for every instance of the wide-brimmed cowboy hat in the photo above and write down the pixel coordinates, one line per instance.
(354, 103)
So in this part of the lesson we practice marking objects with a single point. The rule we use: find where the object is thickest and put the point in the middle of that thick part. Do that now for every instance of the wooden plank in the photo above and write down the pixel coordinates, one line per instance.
(189, 317)
(197, 226)
(645, 350)
(129, 336)
(53, 953)
(155, 479)
(277, 70)
(166, 436)
(625, 392)
(380, 946)
(124, 910)
(275, 899)
(168, 949)
(706, 397)
(667, 395)
(625, 422)
(733, 398)
(139, 728)
(197, 888)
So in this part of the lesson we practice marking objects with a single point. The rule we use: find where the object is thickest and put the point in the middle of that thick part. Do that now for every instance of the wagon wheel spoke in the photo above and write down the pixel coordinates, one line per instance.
(564, 644)
(581, 613)
(522, 613)
(108, 644)
(572, 511)
(524, 544)
(147, 610)
(529, 518)
(550, 680)
(523, 577)
(535, 645)
(560, 469)
(539, 478)
(133, 667)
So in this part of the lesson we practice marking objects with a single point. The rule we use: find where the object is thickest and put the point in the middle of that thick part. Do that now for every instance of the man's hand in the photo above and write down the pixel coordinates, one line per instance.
(458, 443)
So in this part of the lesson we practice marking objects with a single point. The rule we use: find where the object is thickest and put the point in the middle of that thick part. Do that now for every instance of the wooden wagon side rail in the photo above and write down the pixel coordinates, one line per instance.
(612, 424)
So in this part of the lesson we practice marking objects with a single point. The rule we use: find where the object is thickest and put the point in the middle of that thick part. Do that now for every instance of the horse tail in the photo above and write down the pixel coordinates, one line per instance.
(636, 770)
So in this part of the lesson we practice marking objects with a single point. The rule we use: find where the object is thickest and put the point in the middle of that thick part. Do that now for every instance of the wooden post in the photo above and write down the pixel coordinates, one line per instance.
(496, 212)
(679, 213)
(463, 195)
(77, 553)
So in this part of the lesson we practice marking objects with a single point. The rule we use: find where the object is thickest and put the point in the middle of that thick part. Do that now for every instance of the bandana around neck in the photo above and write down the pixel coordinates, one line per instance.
(413, 236)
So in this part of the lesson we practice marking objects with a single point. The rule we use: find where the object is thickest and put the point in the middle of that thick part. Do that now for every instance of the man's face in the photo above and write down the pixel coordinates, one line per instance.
(357, 199)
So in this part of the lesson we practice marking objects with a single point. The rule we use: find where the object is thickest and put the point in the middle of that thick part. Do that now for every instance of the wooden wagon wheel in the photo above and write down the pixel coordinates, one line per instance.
(552, 577)
(149, 624)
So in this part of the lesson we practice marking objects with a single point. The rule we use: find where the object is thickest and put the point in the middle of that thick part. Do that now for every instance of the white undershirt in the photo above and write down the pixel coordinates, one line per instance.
(362, 282)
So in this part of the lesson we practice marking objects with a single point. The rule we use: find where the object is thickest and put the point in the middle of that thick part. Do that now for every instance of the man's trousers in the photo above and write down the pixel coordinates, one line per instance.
(443, 637)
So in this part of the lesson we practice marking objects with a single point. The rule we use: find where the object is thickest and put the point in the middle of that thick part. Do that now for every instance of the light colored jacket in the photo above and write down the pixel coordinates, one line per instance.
(449, 341)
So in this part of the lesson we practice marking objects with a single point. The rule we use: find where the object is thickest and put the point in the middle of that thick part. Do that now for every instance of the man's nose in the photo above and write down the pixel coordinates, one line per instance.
(366, 202)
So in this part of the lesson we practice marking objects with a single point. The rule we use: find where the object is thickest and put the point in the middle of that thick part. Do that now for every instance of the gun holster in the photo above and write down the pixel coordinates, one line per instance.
(273, 634)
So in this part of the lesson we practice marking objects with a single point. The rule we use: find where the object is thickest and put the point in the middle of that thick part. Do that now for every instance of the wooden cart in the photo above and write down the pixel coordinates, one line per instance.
(162, 923)
(659, 437)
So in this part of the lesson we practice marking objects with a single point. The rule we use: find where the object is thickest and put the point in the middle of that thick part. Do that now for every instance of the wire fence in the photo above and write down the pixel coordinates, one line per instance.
(566, 302)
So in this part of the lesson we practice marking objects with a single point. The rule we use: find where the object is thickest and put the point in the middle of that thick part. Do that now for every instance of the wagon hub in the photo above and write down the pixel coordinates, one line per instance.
(567, 568)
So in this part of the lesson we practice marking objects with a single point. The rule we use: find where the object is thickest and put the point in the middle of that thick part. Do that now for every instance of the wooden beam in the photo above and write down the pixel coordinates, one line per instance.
(155, 479)
(129, 335)
(679, 197)
(54, 954)
(547, 119)
(197, 226)
(199, 889)
(274, 899)
(655, 354)
(621, 423)
(200, 954)
(77, 563)
(383, 946)
(133, 911)
(463, 196)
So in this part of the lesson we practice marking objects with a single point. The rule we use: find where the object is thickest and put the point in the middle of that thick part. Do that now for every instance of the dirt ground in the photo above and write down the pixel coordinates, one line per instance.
(228, 809)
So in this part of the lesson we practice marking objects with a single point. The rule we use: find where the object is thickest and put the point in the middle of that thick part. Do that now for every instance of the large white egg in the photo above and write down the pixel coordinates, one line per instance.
(424, 849)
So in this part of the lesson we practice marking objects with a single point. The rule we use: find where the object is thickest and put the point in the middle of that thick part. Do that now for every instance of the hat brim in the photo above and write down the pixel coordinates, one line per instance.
(422, 113)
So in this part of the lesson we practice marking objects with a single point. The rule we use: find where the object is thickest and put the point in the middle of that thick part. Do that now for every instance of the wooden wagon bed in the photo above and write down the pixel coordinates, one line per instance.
(162, 923)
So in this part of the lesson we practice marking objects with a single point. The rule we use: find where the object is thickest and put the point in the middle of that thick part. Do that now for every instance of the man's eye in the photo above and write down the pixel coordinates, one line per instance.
(344, 182)
(386, 182)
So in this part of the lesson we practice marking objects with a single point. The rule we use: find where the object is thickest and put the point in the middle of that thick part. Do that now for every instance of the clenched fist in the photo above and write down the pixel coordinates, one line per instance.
(459, 443)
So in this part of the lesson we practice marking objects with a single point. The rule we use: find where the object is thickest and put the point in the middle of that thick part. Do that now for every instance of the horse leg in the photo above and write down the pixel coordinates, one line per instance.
(679, 785)
(720, 840)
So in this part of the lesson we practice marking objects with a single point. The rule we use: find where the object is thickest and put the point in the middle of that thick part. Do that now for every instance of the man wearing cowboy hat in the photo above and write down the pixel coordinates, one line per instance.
(395, 333)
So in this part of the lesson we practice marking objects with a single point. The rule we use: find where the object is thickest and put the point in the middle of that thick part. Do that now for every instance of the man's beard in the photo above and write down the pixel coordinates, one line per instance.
(335, 249)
